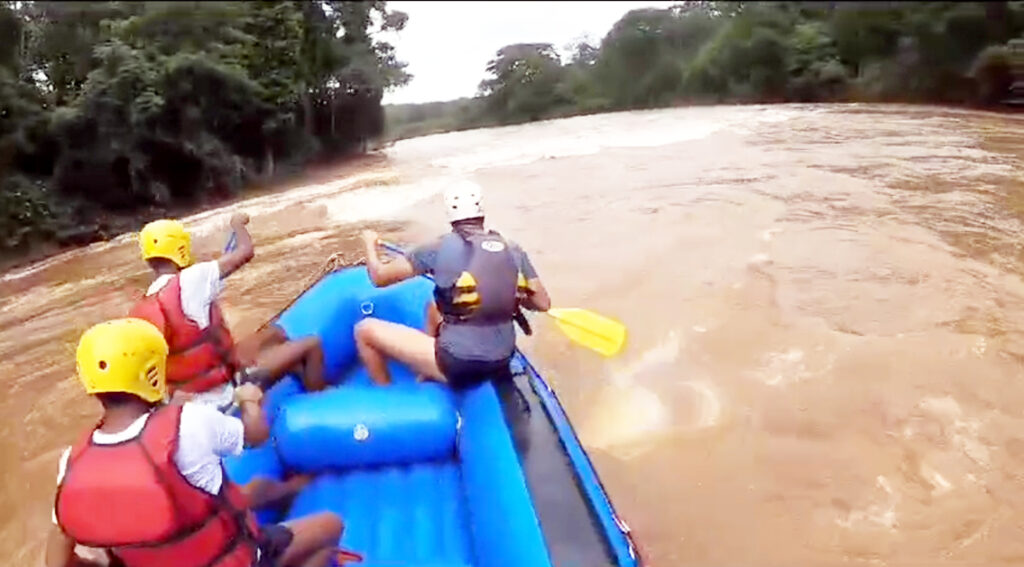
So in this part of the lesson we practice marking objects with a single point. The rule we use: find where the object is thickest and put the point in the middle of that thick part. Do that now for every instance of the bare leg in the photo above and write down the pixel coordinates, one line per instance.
(378, 340)
(261, 491)
(279, 359)
(315, 540)
(320, 558)
(248, 348)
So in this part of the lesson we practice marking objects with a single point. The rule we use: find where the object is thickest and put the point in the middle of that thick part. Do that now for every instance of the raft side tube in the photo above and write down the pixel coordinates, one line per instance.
(503, 521)
(335, 304)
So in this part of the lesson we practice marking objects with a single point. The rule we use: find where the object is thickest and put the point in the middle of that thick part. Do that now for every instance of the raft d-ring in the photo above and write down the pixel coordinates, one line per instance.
(458, 432)
(360, 432)
(366, 308)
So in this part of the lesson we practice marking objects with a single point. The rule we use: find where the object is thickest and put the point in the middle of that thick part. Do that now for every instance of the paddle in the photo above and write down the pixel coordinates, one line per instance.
(583, 327)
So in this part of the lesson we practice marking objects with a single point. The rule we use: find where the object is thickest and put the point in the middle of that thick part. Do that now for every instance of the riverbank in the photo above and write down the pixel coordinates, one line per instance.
(439, 117)
(111, 224)
(696, 53)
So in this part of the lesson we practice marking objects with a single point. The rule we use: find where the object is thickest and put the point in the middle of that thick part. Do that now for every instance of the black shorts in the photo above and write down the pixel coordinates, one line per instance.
(274, 539)
(467, 373)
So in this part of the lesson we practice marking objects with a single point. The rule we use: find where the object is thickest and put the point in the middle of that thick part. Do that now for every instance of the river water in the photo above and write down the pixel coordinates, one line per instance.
(825, 308)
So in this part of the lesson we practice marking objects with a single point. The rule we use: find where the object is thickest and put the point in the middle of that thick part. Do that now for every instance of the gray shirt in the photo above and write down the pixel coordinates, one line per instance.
(486, 343)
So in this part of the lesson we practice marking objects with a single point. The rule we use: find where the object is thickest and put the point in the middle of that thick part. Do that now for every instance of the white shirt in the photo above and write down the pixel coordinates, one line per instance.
(200, 285)
(205, 436)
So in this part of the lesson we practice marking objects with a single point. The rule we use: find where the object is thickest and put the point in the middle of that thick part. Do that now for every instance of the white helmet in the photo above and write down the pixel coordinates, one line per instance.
(462, 200)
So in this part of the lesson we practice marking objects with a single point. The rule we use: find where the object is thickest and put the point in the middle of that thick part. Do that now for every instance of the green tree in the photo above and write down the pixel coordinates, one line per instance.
(117, 106)
(816, 73)
(62, 38)
(642, 58)
(993, 71)
(355, 70)
(523, 82)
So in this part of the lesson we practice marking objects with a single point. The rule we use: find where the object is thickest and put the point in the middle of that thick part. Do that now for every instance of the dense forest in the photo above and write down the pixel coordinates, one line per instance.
(112, 113)
(746, 52)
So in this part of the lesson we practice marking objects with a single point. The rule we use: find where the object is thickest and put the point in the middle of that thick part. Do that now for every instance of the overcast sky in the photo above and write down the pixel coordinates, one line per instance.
(448, 44)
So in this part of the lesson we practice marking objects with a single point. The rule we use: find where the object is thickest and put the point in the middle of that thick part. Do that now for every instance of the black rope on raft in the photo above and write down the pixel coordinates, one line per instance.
(335, 262)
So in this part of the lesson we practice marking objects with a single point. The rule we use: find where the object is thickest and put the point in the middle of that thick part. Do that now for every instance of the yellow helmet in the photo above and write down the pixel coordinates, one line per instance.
(124, 355)
(166, 239)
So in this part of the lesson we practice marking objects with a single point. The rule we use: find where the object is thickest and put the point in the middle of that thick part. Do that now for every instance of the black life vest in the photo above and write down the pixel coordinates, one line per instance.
(477, 279)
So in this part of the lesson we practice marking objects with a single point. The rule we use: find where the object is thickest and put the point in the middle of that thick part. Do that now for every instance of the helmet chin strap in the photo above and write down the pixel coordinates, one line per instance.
(466, 226)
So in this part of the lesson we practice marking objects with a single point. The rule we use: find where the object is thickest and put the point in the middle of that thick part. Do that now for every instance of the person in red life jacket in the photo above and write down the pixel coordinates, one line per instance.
(205, 363)
(147, 487)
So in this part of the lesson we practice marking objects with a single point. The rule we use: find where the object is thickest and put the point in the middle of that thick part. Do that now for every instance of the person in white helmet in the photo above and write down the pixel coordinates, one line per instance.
(481, 281)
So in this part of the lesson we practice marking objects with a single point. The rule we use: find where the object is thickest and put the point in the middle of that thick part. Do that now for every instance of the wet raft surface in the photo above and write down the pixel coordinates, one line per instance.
(409, 515)
(421, 475)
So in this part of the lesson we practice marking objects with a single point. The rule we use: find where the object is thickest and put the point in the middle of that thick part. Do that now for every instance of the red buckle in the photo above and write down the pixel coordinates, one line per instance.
(344, 557)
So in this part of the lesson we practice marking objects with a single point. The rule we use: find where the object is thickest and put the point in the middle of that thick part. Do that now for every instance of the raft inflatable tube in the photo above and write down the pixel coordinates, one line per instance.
(489, 477)
(365, 426)
(332, 307)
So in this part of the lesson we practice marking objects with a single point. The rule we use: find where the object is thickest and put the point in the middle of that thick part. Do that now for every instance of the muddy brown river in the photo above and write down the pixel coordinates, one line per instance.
(825, 307)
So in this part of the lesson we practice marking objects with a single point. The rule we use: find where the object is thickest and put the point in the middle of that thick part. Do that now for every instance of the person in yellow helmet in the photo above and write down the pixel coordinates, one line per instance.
(146, 485)
(205, 362)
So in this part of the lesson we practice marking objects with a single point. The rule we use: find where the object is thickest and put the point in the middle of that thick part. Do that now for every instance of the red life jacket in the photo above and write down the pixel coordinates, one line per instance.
(199, 359)
(130, 498)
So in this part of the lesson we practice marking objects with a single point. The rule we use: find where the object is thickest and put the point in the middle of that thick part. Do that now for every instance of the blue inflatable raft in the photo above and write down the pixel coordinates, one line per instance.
(490, 477)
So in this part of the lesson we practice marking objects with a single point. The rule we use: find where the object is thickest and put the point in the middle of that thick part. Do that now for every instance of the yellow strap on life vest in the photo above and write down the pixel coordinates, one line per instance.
(465, 294)
(466, 281)
(467, 299)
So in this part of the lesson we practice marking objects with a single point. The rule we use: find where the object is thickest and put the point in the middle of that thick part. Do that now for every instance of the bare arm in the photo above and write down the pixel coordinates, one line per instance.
(537, 299)
(255, 422)
(60, 551)
(433, 326)
(243, 252)
(382, 274)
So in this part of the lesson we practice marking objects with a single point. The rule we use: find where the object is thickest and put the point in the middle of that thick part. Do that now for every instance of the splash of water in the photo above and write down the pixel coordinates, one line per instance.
(635, 408)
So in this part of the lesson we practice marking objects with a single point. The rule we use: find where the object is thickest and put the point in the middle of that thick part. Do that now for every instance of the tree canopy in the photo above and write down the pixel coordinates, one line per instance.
(739, 52)
(141, 106)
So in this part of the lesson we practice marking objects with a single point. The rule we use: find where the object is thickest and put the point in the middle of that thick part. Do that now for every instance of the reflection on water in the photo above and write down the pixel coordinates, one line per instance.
(824, 305)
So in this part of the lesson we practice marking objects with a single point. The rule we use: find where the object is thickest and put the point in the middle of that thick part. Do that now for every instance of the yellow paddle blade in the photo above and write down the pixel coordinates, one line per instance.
(596, 332)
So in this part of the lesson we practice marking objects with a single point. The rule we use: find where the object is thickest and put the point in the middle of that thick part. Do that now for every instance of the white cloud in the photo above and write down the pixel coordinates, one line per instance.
(448, 44)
